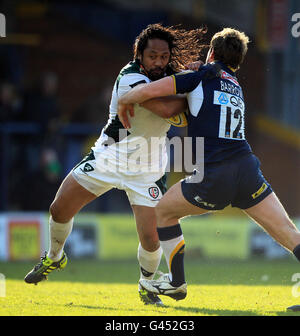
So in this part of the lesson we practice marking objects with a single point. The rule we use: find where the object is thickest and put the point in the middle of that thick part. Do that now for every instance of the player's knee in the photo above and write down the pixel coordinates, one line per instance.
(158, 211)
(54, 211)
(150, 246)
(149, 240)
(162, 212)
(57, 213)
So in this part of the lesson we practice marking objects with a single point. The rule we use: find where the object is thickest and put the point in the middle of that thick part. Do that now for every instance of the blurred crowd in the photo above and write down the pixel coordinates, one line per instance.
(38, 153)
(34, 167)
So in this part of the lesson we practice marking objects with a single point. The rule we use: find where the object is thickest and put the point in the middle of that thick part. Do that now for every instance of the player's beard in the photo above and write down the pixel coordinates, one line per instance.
(155, 74)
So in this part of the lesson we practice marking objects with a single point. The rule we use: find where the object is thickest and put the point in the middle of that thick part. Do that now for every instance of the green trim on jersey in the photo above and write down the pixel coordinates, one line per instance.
(131, 67)
(111, 129)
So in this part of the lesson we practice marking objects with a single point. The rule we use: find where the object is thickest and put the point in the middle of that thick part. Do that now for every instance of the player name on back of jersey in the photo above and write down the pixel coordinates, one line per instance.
(233, 88)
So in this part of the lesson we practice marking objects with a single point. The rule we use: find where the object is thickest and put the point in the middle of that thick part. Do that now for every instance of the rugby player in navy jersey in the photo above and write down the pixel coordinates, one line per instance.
(231, 173)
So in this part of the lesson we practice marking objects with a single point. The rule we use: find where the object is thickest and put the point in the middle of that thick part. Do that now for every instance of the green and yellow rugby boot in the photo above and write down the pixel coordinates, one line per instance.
(44, 267)
(149, 298)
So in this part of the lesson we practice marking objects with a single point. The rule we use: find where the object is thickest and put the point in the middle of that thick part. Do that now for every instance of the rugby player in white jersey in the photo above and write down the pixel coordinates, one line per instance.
(121, 158)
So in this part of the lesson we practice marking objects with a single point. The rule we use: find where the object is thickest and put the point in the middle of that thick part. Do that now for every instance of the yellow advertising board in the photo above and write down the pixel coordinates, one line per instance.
(23, 235)
(24, 239)
(205, 236)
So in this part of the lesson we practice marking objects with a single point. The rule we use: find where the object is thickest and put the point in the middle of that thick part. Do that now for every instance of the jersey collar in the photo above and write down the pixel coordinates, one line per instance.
(141, 67)
(227, 68)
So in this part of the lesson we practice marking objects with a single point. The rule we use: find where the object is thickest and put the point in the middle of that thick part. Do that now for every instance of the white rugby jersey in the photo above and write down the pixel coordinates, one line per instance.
(141, 148)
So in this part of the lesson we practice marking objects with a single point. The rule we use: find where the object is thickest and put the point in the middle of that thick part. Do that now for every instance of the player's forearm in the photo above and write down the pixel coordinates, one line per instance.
(166, 107)
(144, 92)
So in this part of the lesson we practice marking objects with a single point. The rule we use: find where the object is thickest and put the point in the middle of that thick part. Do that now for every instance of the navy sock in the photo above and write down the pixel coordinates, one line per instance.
(169, 232)
(174, 252)
(296, 252)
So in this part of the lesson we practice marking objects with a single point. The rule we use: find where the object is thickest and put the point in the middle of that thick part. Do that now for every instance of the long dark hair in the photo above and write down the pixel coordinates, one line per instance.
(185, 46)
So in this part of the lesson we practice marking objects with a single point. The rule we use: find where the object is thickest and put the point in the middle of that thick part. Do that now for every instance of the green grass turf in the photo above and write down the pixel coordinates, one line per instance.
(215, 288)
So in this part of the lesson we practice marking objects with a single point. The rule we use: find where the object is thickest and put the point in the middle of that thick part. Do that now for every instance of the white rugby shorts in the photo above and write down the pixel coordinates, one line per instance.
(141, 188)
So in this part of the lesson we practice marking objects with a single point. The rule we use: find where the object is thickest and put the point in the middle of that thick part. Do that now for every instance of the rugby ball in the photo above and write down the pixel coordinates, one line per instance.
(179, 120)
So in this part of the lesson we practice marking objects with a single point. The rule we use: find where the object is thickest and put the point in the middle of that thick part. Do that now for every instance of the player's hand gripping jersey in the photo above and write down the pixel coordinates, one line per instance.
(217, 112)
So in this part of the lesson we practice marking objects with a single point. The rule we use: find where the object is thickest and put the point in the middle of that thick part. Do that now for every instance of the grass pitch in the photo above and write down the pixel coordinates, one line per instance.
(215, 288)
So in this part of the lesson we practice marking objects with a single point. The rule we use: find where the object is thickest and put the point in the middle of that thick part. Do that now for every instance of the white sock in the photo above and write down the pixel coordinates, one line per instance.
(59, 233)
(149, 262)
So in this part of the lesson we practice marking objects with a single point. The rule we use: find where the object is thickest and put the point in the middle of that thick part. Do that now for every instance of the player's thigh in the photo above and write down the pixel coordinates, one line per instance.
(174, 206)
(70, 198)
(146, 226)
(271, 215)
(268, 212)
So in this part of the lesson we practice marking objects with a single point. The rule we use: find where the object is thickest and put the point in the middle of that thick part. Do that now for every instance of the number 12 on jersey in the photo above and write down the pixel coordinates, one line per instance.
(232, 124)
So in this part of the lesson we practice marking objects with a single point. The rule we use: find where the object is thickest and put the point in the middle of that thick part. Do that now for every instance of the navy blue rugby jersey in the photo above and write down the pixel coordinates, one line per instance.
(217, 111)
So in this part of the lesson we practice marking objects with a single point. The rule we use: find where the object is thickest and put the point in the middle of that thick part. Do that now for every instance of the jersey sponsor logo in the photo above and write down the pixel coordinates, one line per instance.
(223, 100)
(236, 101)
(153, 192)
(226, 75)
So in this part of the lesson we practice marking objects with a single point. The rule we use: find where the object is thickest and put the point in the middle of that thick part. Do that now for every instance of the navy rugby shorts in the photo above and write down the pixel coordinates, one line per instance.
(238, 182)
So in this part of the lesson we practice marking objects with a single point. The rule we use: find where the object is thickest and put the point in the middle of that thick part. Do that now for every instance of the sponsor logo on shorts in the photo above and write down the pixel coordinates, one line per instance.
(153, 192)
(87, 168)
(259, 191)
(199, 200)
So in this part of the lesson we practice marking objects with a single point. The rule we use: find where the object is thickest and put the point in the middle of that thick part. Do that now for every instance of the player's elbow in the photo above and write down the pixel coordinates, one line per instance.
(166, 112)
(174, 108)
(173, 111)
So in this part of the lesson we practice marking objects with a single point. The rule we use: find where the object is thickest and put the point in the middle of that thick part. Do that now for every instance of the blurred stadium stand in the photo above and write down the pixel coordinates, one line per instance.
(86, 43)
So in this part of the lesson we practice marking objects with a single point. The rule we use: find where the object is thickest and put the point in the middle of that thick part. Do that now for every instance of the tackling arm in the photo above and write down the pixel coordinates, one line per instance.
(140, 94)
(166, 107)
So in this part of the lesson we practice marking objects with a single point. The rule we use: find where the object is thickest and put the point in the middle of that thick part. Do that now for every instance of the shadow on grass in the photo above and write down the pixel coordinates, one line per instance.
(114, 311)
(249, 272)
(71, 305)
(191, 311)
(215, 312)
(228, 312)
